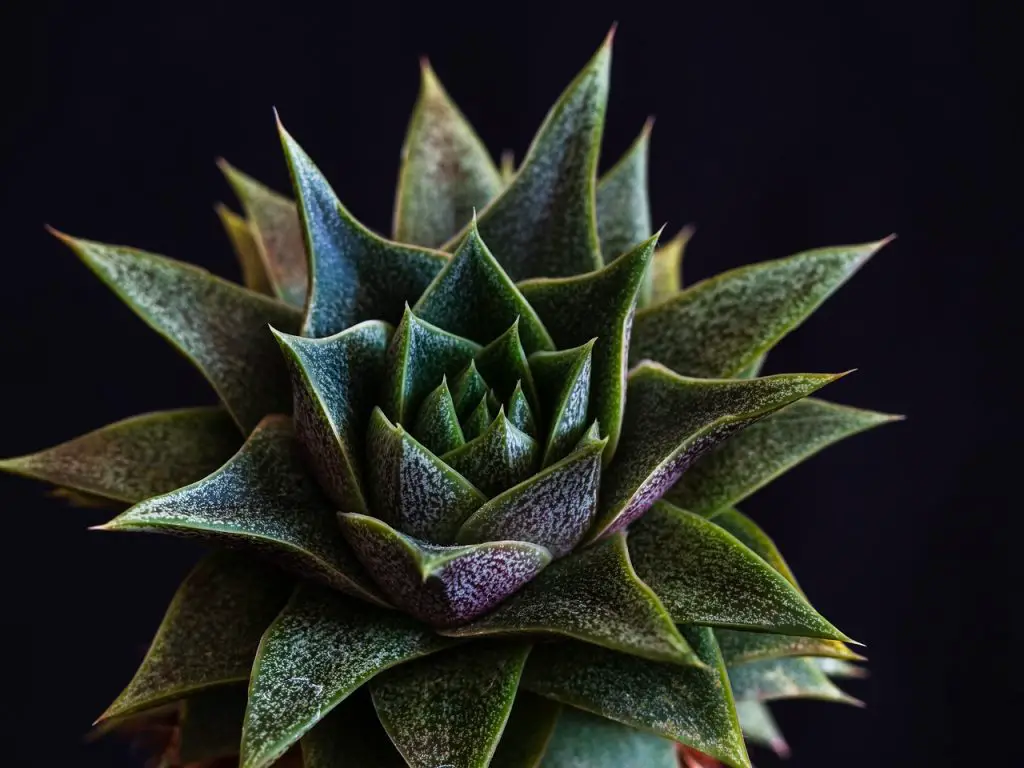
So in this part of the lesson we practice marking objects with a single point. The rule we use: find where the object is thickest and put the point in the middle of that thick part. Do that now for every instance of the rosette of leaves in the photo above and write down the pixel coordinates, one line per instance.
(472, 490)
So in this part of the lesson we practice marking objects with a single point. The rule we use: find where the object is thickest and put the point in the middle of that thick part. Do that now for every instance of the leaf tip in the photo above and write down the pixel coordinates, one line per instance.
(610, 37)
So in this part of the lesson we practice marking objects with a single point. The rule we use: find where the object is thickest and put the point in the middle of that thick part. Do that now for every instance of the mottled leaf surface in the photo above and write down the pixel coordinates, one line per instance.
(468, 388)
(623, 207)
(350, 736)
(784, 679)
(760, 728)
(665, 277)
(520, 412)
(450, 709)
(751, 535)
(563, 383)
(437, 422)
(740, 647)
(498, 459)
(504, 366)
(243, 242)
(583, 740)
(211, 724)
(138, 457)
(527, 732)
(219, 326)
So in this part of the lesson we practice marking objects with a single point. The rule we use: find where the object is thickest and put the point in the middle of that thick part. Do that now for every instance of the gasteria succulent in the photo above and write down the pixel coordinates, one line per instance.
(486, 494)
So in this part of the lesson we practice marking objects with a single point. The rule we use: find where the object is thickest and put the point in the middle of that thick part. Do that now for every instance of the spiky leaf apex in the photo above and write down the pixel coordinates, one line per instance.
(355, 274)
(760, 728)
(776, 679)
(520, 412)
(741, 646)
(501, 457)
(623, 206)
(583, 740)
(243, 241)
(479, 418)
(563, 383)
(437, 421)
(503, 364)
(446, 172)
(665, 278)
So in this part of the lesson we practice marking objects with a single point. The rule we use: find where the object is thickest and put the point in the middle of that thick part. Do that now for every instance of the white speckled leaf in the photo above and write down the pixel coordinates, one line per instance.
(623, 207)
(138, 457)
(450, 709)
(718, 327)
(243, 241)
(692, 705)
(446, 173)
(498, 459)
(474, 298)
(583, 740)
(355, 274)
(765, 450)
(335, 382)
(671, 421)
(520, 413)
(740, 647)
(263, 499)
(411, 488)
(760, 728)
(320, 649)
(600, 306)
(748, 532)
(705, 575)
(209, 634)
(563, 384)
(350, 736)
(665, 277)
(594, 596)
(211, 724)
(544, 224)
(443, 586)
(504, 366)
(553, 508)
(274, 224)
(219, 326)
(527, 732)
(437, 421)
(785, 679)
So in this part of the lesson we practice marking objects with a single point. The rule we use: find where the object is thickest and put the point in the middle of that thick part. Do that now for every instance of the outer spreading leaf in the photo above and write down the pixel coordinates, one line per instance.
(136, 458)
(758, 455)
(553, 508)
(623, 207)
(413, 489)
(243, 241)
(350, 736)
(563, 381)
(503, 364)
(665, 277)
(444, 586)
(265, 499)
(671, 421)
(210, 632)
(718, 327)
(597, 305)
(211, 724)
(557, 175)
(355, 275)
(446, 173)
(437, 422)
(498, 459)
(784, 679)
(705, 575)
(320, 649)
(450, 709)
(692, 705)
(740, 647)
(274, 224)
(751, 535)
(219, 326)
(583, 740)
(335, 381)
(527, 732)
(759, 727)
(594, 596)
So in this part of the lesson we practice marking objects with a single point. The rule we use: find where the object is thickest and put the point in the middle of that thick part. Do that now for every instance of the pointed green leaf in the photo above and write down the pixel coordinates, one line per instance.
(498, 459)
(503, 365)
(671, 421)
(665, 277)
(446, 173)
(705, 575)
(760, 728)
(740, 647)
(746, 311)
(219, 326)
(211, 724)
(765, 450)
(520, 413)
(563, 383)
(243, 241)
(473, 297)
(419, 355)
(784, 679)
(444, 586)
(413, 489)
(527, 732)
(350, 736)
(479, 419)
(553, 508)
(138, 457)
(265, 499)
(274, 223)
(355, 274)
(320, 649)
(597, 305)
(750, 534)
(594, 596)
(840, 668)
(508, 167)
(210, 632)
(583, 740)
(450, 709)
(468, 388)
(557, 174)
(753, 370)
(437, 422)
(689, 704)
(335, 382)
(623, 207)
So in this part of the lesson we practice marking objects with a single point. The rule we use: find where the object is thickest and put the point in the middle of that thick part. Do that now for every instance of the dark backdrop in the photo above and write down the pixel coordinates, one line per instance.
(781, 126)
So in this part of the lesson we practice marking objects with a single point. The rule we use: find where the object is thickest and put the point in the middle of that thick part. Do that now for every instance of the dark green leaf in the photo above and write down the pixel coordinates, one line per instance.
(243, 241)
(784, 679)
(746, 311)
(320, 649)
(623, 207)
(583, 740)
(498, 459)
(211, 724)
(705, 575)
(600, 306)
(444, 586)
(478, 420)
(219, 326)
(527, 732)
(748, 532)
(503, 365)
(740, 647)
(136, 458)
(759, 727)
(450, 709)
(413, 489)
(437, 422)
(351, 736)
(665, 277)
(210, 632)
(468, 388)
(520, 413)
(335, 382)
(265, 499)
(563, 382)
(671, 421)
(356, 275)
(689, 704)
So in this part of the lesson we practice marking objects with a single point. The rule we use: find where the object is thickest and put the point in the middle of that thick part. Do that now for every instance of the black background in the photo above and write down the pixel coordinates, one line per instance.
(780, 126)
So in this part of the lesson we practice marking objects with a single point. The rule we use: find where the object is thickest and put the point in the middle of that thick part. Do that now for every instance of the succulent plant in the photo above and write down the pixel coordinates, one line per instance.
(472, 491)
